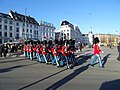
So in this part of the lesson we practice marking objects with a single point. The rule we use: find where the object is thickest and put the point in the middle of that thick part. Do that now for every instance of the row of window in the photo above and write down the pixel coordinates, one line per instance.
(29, 36)
(6, 21)
(6, 34)
(6, 27)
(18, 24)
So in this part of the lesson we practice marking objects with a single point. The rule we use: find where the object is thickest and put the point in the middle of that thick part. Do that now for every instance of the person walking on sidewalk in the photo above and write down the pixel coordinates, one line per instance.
(118, 48)
(1, 49)
(97, 52)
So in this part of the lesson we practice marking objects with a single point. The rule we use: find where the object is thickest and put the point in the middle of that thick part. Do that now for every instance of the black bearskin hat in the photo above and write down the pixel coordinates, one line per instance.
(96, 40)
(45, 42)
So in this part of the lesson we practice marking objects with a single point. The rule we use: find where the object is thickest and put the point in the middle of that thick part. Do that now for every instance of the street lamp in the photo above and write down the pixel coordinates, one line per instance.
(25, 21)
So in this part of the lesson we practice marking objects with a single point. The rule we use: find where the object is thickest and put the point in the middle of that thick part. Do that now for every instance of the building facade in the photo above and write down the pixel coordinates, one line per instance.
(85, 39)
(47, 30)
(69, 31)
(19, 27)
(6, 28)
(25, 27)
(106, 39)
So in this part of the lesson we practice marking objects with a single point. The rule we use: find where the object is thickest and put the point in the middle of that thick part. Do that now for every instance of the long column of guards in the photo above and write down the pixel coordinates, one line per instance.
(59, 53)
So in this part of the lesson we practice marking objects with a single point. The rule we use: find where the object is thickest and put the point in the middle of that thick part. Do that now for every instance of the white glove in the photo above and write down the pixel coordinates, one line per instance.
(102, 52)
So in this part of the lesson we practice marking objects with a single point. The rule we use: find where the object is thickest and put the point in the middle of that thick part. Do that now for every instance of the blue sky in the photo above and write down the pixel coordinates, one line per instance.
(100, 16)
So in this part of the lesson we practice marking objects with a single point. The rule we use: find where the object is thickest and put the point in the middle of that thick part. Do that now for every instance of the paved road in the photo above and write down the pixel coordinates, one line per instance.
(18, 73)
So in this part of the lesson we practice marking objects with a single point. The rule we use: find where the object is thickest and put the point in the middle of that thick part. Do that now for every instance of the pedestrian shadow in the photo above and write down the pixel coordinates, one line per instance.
(14, 67)
(41, 80)
(83, 58)
(104, 61)
(111, 85)
(66, 79)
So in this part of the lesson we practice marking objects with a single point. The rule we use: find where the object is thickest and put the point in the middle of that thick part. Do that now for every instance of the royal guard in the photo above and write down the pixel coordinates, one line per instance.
(49, 49)
(35, 46)
(55, 53)
(64, 52)
(31, 50)
(44, 51)
(39, 52)
(71, 49)
(25, 49)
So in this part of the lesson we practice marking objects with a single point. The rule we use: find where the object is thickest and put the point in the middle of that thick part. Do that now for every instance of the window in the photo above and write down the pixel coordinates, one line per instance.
(5, 34)
(0, 20)
(17, 24)
(23, 30)
(5, 27)
(27, 25)
(17, 29)
(17, 36)
(30, 36)
(10, 27)
(30, 31)
(37, 32)
(0, 26)
(5, 21)
(31, 26)
(11, 22)
(0, 34)
(34, 27)
(23, 24)
(34, 32)
(67, 34)
(10, 34)
(27, 30)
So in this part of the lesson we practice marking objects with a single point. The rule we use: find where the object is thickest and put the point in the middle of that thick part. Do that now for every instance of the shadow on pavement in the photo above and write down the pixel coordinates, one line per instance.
(105, 59)
(14, 67)
(66, 79)
(8, 61)
(111, 85)
(41, 80)
(83, 58)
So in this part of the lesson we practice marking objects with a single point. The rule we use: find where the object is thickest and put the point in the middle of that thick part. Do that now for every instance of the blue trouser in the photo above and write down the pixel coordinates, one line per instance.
(96, 56)
(72, 59)
(28, 54)
(38, 57)
(67, 62)
(31, 55)
(44, 57)
(25, 53)
(56, 59)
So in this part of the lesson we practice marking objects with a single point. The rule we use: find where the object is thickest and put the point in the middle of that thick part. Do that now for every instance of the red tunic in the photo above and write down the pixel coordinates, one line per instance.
(96, 49)
(54, 52)
(43, 50)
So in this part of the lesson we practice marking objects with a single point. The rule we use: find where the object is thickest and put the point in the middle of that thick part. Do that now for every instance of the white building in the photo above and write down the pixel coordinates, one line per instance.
(85, 39)
(69, 31)
(47, 30)
(25, 27)
(90, 36)
(6, 28)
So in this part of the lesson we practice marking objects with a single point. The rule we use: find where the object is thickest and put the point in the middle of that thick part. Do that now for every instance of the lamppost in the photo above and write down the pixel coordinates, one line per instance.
(25, 22)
